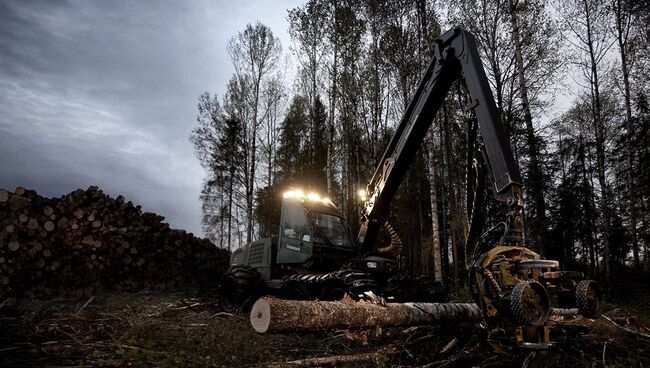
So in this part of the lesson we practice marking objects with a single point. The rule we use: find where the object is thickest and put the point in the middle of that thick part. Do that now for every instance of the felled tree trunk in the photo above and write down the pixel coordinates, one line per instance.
(277, 315)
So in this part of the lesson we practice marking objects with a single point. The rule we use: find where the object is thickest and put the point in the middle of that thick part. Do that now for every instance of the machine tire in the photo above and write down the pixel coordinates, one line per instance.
(523, 295)
(357, 283)
(333, 291)
(589, 299)
(294, 290)
(238, 287)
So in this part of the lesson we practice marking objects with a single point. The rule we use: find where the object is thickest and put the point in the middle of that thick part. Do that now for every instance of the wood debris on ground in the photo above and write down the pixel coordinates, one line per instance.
(177, 329)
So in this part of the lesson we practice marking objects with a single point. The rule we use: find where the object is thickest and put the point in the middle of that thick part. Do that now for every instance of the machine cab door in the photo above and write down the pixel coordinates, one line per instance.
(296, 243)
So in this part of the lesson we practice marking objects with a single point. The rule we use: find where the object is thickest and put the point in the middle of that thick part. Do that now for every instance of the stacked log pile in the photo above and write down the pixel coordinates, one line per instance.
(86, 239)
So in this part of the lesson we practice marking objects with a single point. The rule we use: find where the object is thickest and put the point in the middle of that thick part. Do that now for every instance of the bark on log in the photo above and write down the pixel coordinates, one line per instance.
(276, 315)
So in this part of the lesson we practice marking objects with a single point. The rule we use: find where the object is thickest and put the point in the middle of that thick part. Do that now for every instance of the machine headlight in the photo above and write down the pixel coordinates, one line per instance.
(371, 264)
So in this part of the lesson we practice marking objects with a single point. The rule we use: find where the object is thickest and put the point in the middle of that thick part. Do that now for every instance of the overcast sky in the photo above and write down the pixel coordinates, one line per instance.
(104, 93)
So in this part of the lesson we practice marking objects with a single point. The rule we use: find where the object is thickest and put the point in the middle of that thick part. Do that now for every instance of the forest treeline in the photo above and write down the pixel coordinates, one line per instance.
(571, 82)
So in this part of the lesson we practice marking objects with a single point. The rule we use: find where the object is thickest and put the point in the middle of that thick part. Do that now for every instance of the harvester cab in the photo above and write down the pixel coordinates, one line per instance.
(308, 259)
(314, 256)
(312, 233)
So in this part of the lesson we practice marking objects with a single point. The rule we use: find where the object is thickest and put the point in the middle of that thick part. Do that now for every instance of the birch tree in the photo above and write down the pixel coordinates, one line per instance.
(254, 52)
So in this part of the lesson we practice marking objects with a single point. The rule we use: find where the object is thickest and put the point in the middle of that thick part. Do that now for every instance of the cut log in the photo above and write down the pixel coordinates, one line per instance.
(32, 224)
(13, 245)
(17, 203)
(4, 196)
(48, 226)
(276, 315)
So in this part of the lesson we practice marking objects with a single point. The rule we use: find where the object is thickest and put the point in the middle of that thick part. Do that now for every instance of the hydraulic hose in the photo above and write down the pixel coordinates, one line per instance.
(395, 246)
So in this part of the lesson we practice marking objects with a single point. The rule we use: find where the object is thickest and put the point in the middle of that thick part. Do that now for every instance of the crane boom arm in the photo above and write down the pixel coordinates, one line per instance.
(455, 56)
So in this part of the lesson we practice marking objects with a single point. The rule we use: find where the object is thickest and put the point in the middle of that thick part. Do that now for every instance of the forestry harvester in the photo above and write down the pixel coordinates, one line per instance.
(514, 286)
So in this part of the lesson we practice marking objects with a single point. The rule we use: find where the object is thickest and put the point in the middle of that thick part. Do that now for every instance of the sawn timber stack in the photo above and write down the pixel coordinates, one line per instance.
(86, 239)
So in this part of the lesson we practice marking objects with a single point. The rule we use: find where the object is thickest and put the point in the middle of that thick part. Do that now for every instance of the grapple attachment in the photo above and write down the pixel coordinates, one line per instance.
(515, 288)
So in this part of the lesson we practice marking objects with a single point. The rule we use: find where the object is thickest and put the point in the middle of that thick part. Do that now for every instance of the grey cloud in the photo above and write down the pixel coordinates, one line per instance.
(104, 93)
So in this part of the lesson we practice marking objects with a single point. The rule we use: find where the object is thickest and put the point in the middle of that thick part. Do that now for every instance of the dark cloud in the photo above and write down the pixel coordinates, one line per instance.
(104, 93)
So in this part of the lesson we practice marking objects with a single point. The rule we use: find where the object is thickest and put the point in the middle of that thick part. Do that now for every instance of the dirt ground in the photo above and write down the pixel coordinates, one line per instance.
(173, 329)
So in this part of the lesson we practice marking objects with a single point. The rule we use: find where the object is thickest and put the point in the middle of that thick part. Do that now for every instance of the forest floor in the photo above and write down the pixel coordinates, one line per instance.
(172, 329)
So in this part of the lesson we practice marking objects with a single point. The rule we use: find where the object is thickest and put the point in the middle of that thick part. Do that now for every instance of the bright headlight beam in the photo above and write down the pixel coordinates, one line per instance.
(296, 193)
(293, 194)
(362, 194)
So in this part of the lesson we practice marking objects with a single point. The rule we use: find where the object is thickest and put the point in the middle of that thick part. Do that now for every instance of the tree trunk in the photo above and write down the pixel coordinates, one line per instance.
(250, 191)
(600, 143)
(454, 227)
(332, 116)
(275, 315)
(435, 233)
(221, 210)
(534, 171)
(646, 249)
(587, 208)
(250, 185)
(628, 123)
(232, 179)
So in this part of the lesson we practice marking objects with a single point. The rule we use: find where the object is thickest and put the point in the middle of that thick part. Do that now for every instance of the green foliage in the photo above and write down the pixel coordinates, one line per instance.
(292, 151)
(315, 173)
(268, 210)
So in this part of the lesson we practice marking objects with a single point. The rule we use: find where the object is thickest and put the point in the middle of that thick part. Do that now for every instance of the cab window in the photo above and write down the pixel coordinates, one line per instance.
(294, 222)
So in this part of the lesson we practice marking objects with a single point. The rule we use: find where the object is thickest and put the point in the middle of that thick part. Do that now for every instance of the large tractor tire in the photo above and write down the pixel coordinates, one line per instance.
(294, 290)
(589, 299)
(239, 288)
(529, 303)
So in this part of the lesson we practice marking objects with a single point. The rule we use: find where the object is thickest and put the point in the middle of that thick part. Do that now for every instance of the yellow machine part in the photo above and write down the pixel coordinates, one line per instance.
(508, 251)
(499, 252)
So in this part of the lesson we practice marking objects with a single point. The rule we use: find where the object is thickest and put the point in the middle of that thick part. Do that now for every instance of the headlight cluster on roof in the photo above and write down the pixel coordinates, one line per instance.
(314, 197)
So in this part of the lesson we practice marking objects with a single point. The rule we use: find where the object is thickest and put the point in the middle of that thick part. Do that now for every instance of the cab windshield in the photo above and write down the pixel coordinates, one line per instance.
(330, 229)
